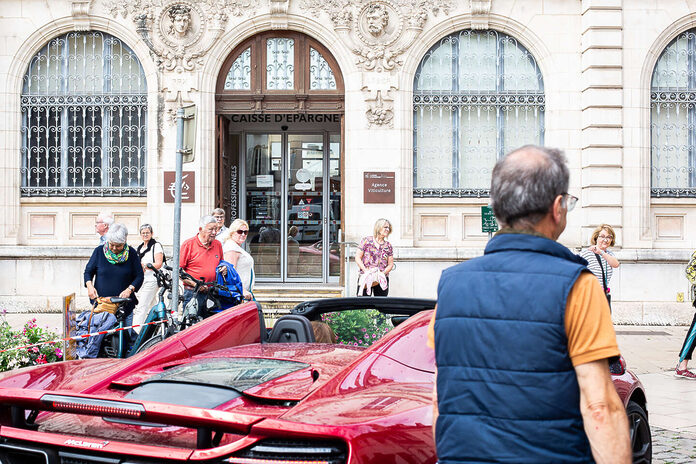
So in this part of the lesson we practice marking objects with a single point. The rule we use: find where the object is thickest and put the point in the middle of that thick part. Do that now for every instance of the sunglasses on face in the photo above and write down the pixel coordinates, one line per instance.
(242, 232)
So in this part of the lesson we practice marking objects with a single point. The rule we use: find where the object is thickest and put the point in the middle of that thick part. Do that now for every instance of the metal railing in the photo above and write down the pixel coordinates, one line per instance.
(346, 280)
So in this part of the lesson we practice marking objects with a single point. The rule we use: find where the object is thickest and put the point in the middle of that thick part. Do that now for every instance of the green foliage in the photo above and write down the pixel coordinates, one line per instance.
(29, 335)
(360, 327)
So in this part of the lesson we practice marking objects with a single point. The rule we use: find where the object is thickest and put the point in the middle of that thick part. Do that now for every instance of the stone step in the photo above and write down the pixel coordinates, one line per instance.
(282, 298)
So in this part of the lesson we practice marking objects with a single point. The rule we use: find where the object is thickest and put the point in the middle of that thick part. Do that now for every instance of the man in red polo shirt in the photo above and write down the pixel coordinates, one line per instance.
(199, 256)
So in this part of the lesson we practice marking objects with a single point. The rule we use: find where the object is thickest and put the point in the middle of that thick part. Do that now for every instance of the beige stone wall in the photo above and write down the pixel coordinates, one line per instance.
(596, 57)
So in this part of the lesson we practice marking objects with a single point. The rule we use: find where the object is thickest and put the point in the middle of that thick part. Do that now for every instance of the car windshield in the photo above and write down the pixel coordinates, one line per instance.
(237, 373)
(359, 327)
(206, 383)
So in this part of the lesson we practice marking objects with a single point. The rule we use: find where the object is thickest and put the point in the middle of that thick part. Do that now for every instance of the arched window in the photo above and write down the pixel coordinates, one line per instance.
(673, 119)
(280, 71)
(476, 96)
(84, 108)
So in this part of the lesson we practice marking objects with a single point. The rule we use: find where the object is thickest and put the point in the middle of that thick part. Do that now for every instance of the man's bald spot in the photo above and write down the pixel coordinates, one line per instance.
(528, 157)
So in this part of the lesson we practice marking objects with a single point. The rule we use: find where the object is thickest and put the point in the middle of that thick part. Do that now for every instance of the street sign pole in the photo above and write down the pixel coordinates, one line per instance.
(177, 206)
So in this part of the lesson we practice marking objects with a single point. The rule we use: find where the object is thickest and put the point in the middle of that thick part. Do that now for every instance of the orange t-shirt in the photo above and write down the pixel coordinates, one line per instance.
(588, 323)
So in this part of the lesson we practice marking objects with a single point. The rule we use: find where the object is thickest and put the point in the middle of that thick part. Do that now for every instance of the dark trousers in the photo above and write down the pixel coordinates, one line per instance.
(688, 347)
(376, 290)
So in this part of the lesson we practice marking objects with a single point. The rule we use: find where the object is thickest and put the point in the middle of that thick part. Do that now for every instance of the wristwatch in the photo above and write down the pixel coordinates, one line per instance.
(132, 288)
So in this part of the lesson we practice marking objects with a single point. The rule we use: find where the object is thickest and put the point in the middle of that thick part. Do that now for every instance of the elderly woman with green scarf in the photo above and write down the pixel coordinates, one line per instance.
(114, 269)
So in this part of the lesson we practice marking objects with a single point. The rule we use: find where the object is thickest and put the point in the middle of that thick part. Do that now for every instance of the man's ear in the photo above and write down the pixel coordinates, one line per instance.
(557, 209)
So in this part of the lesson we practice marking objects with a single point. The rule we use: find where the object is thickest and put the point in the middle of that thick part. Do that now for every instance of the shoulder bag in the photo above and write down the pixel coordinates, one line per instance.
(604, 280)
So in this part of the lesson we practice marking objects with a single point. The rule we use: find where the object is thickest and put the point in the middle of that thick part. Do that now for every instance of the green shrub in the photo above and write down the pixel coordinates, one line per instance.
(29, 335)
(360, 327)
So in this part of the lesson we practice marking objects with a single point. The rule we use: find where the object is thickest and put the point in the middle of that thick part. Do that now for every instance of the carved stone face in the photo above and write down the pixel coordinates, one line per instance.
(180, 23)
(377, 19)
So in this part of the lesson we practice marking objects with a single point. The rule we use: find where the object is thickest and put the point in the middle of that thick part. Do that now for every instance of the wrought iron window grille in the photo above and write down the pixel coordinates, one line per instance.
(673, 120)
(84, 119)
(477, 95)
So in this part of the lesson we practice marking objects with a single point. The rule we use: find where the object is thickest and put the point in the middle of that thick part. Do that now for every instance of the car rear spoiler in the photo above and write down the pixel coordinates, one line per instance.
(387, 305)
(17, 402)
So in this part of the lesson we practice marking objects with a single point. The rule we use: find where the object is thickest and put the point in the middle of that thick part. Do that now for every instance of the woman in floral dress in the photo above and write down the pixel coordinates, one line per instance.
(375, 258)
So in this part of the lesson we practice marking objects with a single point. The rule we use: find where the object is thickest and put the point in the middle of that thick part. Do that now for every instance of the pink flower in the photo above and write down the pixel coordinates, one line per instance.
(59, 352)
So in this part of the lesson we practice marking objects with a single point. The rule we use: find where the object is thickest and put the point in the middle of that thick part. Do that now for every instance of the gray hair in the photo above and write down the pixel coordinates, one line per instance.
(205, 220)
(525, 184)
(118, 233)
(105, 217)
(146, 226)
(218, 211)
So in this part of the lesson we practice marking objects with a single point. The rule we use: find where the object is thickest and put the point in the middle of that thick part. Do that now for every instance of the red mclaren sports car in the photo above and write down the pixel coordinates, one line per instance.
(229, 391)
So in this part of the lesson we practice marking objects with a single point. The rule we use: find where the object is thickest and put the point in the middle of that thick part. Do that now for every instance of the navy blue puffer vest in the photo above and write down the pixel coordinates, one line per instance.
(507, 390)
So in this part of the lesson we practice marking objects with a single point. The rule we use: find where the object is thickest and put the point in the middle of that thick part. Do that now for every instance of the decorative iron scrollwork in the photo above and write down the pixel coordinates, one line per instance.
(84, 119)
(477, 95)
(673, 120)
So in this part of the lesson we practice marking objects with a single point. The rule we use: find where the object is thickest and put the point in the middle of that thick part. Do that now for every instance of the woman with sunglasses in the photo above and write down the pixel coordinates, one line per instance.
(236, 255)
(600, 261)
(149, 252)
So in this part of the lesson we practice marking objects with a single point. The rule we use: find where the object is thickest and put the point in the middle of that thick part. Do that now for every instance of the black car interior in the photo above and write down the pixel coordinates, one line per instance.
(291, 329)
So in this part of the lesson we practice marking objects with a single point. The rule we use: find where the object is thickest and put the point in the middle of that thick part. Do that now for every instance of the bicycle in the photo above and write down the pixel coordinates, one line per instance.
(192, 313)
(115, 345)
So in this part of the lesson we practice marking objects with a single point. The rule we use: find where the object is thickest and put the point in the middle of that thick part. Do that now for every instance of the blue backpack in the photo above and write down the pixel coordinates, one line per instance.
(234, 294)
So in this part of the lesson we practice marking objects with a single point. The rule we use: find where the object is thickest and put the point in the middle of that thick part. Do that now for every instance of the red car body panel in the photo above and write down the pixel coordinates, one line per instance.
(378, 401)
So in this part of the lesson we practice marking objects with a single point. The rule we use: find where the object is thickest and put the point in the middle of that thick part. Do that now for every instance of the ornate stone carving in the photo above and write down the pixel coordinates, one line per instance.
(480, 11)
(80, 7)
(378, 31)
(279, 14)
(380, 109)
(80, 14)
(179, 32)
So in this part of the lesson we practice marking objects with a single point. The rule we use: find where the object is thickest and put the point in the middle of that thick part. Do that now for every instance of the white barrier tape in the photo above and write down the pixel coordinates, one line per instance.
(81, 337)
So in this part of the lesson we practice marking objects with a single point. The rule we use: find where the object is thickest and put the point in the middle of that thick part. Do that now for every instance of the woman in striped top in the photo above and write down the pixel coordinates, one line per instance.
(600, 261)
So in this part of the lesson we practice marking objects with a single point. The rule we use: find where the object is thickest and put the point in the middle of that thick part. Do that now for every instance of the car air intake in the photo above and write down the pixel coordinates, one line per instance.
(11, 454)
(292, 451)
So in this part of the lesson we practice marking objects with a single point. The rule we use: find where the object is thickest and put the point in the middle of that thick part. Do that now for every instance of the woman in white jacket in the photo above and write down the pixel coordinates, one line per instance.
(150, 252)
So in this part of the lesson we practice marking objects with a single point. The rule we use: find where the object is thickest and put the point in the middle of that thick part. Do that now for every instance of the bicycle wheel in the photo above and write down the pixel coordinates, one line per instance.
(151, 342)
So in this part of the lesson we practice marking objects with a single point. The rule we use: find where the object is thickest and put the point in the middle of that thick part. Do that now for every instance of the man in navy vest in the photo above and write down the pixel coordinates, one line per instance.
(522, 336)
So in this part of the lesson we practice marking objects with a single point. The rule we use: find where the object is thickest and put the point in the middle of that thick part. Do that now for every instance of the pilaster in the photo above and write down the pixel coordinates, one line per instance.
(602, 121)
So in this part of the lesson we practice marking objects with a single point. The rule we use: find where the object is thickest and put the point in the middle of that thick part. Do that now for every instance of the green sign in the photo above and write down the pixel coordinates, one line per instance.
(488, 222)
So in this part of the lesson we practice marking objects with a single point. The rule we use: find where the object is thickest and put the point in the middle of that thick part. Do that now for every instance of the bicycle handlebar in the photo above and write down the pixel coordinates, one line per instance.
(200, 282)
(163, 280)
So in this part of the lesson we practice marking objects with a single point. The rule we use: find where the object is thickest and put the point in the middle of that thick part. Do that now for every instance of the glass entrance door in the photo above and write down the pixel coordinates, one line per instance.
(292, 204)
(305, 206)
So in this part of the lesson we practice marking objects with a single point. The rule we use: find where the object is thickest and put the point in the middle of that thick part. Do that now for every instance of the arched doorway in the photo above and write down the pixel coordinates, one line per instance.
(280, 104)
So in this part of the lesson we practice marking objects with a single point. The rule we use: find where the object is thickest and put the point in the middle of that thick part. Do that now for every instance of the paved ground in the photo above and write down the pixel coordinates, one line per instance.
(650, 351)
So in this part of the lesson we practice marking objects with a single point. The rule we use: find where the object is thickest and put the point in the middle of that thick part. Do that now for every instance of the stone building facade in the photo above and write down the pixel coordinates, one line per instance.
(317, 117)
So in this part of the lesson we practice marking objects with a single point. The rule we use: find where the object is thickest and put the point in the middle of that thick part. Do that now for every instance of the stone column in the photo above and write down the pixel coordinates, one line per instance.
(602, 122)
